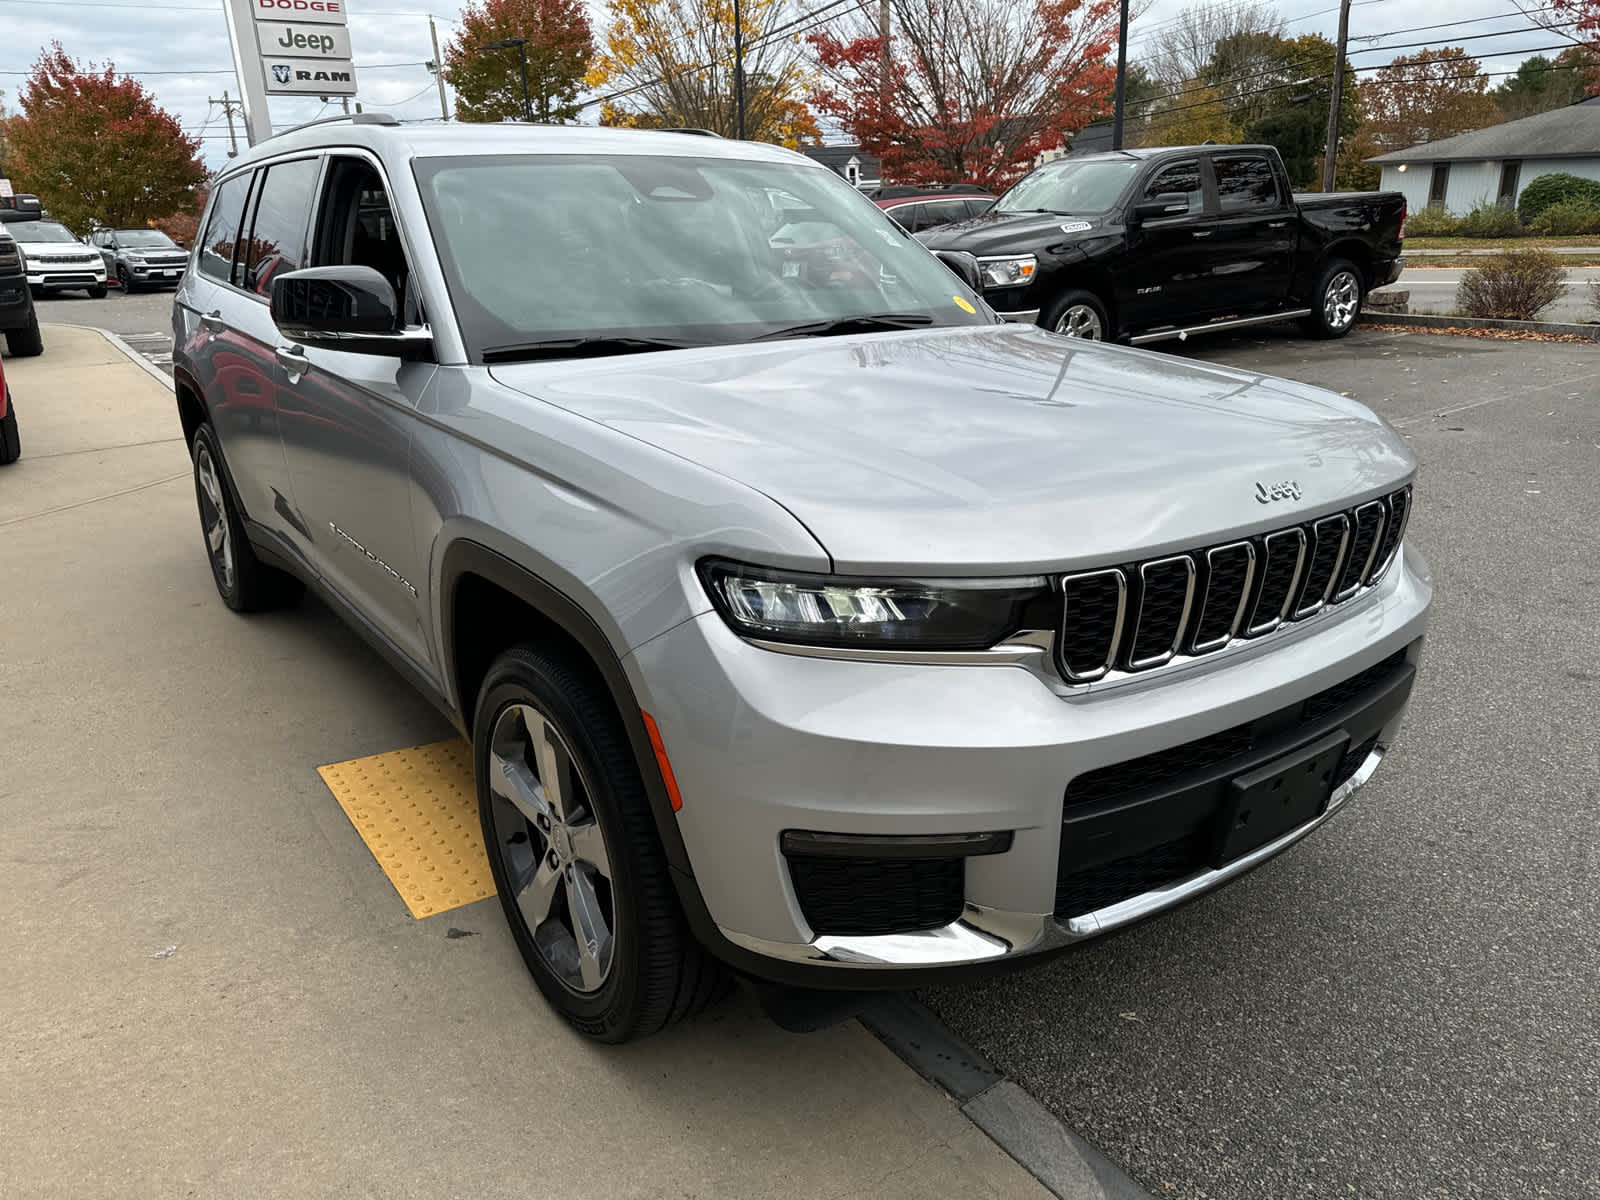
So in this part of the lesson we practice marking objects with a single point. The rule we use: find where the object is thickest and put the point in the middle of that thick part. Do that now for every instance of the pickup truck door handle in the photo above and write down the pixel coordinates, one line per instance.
(1202, 233)
(293, 360)
(212, 322)
(1276, 224)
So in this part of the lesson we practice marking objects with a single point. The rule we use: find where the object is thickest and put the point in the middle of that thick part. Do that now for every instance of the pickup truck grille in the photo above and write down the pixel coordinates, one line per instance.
(1139, 616)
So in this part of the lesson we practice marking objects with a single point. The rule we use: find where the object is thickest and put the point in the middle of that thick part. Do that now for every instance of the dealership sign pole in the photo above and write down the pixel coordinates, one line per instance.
(287, 48)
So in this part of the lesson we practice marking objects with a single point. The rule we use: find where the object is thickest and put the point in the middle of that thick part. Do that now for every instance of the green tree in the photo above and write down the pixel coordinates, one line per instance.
(488, 83)
(1540, 84)
(94, 146)
(1195, 115)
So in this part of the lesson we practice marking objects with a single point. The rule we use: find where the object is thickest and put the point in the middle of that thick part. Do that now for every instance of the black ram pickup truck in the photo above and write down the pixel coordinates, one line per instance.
(18, 321)
(1144, 245)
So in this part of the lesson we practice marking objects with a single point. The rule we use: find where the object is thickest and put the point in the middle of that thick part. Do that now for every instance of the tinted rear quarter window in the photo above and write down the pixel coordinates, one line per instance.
(222, 232)
(1245, 184)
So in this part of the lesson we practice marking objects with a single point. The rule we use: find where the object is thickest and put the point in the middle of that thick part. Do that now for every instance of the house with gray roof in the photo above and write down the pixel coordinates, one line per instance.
(859, 169)
(1495, 164)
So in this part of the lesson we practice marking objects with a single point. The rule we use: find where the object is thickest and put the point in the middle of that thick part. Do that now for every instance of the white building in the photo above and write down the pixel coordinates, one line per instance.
(1493, 165)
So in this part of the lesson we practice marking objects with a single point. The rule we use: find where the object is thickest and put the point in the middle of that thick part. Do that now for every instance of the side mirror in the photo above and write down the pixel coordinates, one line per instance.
(344, 308)
(1167, 204)
(964, 266)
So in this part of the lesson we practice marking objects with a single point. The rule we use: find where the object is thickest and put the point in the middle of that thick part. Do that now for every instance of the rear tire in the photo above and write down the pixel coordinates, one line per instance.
(577, 862)
(245, 583)
(10, 439)
(98, 293)
(27, 341)
(1336, 300)
(1078, 314)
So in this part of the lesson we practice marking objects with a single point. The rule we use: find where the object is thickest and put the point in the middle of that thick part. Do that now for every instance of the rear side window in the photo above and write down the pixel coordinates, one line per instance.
(222, 233)
(278, 236)
(906, 215)
(1245, 184)
(979, 205)
(1182, 178)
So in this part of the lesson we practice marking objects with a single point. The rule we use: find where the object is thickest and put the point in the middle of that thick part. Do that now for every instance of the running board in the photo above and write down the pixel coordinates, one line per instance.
(1182, 335)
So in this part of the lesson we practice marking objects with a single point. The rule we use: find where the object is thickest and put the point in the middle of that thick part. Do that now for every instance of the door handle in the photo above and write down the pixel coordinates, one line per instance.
(1276, 224)
(293, 360)
(1202, 233)
(212, 321)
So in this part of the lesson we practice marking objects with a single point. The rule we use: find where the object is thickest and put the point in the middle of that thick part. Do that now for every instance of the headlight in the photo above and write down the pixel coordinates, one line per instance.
(847, 610)
(1008, 272)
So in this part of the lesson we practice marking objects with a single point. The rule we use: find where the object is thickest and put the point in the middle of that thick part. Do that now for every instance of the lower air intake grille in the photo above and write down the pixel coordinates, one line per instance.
(1095, 887)
(856, 896)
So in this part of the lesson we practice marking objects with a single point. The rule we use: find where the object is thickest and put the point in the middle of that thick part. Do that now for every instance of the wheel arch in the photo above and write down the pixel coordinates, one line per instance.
(191, 407)
(1357, 253)
(1097, 283)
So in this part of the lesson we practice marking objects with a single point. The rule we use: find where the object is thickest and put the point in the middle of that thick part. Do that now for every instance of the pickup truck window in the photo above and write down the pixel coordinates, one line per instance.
(1179, 177)
(1071, 186)
(1245, 183)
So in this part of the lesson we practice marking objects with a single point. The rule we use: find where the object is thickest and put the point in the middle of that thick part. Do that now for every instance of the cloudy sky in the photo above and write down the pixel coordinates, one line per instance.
(179, 48)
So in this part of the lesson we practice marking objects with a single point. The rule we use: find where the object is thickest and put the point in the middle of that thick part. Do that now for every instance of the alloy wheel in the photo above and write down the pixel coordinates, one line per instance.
(214, 516)
(1081, 321)
(551, 847)
(1340, 300)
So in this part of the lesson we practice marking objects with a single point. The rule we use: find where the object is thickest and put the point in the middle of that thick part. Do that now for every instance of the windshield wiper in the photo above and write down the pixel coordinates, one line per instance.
(862, 324)
(580, 347)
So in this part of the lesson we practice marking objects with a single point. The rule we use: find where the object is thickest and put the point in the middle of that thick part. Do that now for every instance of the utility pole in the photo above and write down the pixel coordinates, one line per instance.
(437, 67)
(738, 73)
(1122, 78)
(227, 111)
(885, 81)
(1330, 158)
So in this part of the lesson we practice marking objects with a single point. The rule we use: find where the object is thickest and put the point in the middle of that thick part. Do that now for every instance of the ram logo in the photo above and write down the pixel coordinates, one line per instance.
(280, 72)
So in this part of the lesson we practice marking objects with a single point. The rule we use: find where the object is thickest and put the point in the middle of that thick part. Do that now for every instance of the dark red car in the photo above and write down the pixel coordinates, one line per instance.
(917, 209)
(10, 443)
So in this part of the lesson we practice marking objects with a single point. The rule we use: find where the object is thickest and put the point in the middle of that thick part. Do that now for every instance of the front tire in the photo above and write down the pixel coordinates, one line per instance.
(10, 439)
(1078, 314)
(576, 859)
(245, 583)
(97, 293)
(1336, 301)
(124, 280)
(27, 341)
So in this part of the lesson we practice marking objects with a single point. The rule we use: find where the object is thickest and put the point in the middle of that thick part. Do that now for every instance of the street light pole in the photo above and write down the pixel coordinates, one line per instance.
(1122, 79)
(521, 43)
(738, 72)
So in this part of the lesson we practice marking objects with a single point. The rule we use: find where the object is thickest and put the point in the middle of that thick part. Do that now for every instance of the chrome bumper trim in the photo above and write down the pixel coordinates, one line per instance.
(982, 935)
(1027, 316)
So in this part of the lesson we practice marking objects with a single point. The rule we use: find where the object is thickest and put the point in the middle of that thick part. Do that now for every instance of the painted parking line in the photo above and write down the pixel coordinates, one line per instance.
(417, 811)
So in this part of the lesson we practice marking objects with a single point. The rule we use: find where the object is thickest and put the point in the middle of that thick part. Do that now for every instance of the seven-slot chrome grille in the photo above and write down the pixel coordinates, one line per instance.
(1139, 616)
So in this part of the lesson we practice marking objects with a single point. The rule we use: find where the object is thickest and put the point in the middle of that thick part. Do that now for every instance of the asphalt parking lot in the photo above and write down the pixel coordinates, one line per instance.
(142, 319)
(1407, 1004)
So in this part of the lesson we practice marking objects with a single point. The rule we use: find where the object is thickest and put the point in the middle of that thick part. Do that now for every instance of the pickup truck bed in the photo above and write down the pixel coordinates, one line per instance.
(1144, 245)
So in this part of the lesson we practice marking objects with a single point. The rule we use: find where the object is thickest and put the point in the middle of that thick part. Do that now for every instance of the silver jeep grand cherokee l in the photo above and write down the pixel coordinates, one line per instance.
(805, 619)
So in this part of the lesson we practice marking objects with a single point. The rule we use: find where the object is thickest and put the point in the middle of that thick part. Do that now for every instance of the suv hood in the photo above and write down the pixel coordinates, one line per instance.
(990, 448)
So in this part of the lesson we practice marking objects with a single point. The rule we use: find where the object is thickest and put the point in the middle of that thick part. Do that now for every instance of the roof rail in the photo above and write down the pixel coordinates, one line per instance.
(360, 118)
(698, 132)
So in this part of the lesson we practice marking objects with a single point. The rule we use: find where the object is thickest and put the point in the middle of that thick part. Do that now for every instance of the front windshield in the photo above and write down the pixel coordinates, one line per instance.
(1071, 186)
(145, 239)
(41, 231)
(687, 251)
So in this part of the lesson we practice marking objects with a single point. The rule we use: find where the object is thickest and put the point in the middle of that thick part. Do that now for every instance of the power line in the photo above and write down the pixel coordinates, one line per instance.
(230, 70)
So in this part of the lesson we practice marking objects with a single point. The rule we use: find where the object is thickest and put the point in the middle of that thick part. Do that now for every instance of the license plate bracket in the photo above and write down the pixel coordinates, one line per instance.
(1264, 804)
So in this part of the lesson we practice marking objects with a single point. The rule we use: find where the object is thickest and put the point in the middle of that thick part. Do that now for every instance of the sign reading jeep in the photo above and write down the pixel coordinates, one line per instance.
(302, 77)
(303, 41)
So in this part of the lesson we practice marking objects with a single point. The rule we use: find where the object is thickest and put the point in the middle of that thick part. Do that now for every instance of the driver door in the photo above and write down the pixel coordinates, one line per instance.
(1169, 275)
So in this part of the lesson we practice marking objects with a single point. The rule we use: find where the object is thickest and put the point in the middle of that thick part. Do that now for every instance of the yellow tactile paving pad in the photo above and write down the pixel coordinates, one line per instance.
(417, 810)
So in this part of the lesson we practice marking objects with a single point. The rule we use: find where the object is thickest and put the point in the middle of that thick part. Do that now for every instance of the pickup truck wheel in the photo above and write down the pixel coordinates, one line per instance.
(575, 856)
(1078, 314)
(1336, 303)
(245, 583)
(10, 439)
(27, 341)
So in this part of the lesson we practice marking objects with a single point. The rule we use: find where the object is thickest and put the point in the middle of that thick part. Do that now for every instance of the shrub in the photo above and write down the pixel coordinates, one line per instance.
(1432, 222)
(1553, 189)
(1567, 218)
(1491, 221)
(1514, 286)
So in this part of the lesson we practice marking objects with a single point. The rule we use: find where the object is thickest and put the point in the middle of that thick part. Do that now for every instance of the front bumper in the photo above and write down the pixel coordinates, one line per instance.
(66, 279)
(763, 742)
(156, 273)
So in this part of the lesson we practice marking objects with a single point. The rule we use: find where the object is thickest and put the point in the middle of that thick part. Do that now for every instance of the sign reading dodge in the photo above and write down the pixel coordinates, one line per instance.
(323, 12)
(303, 41)
(307, 77)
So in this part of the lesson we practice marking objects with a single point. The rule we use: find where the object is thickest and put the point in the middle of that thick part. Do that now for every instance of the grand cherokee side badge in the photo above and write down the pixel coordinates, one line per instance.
(1289, 489)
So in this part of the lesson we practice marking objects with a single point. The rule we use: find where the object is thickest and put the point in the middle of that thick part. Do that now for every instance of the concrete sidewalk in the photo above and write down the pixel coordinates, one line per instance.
(210, 987)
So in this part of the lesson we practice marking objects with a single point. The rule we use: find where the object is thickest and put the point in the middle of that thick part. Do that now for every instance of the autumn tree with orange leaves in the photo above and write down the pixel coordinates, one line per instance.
(488, 83)
(1426, 96)
(94, 147)
(976, 88)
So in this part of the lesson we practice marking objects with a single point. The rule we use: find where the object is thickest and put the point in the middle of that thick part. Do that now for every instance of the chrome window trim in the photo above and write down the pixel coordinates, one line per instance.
(1156, 660)
(1067, 672)
(1346, 533)
(1261, 627)
(1377, 540)
(1238, 608)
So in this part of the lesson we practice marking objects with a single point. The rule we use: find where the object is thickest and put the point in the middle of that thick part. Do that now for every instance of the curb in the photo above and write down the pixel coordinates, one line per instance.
(1059, 1159)
(139, 360)
(1595, 250)
(1437, 321)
